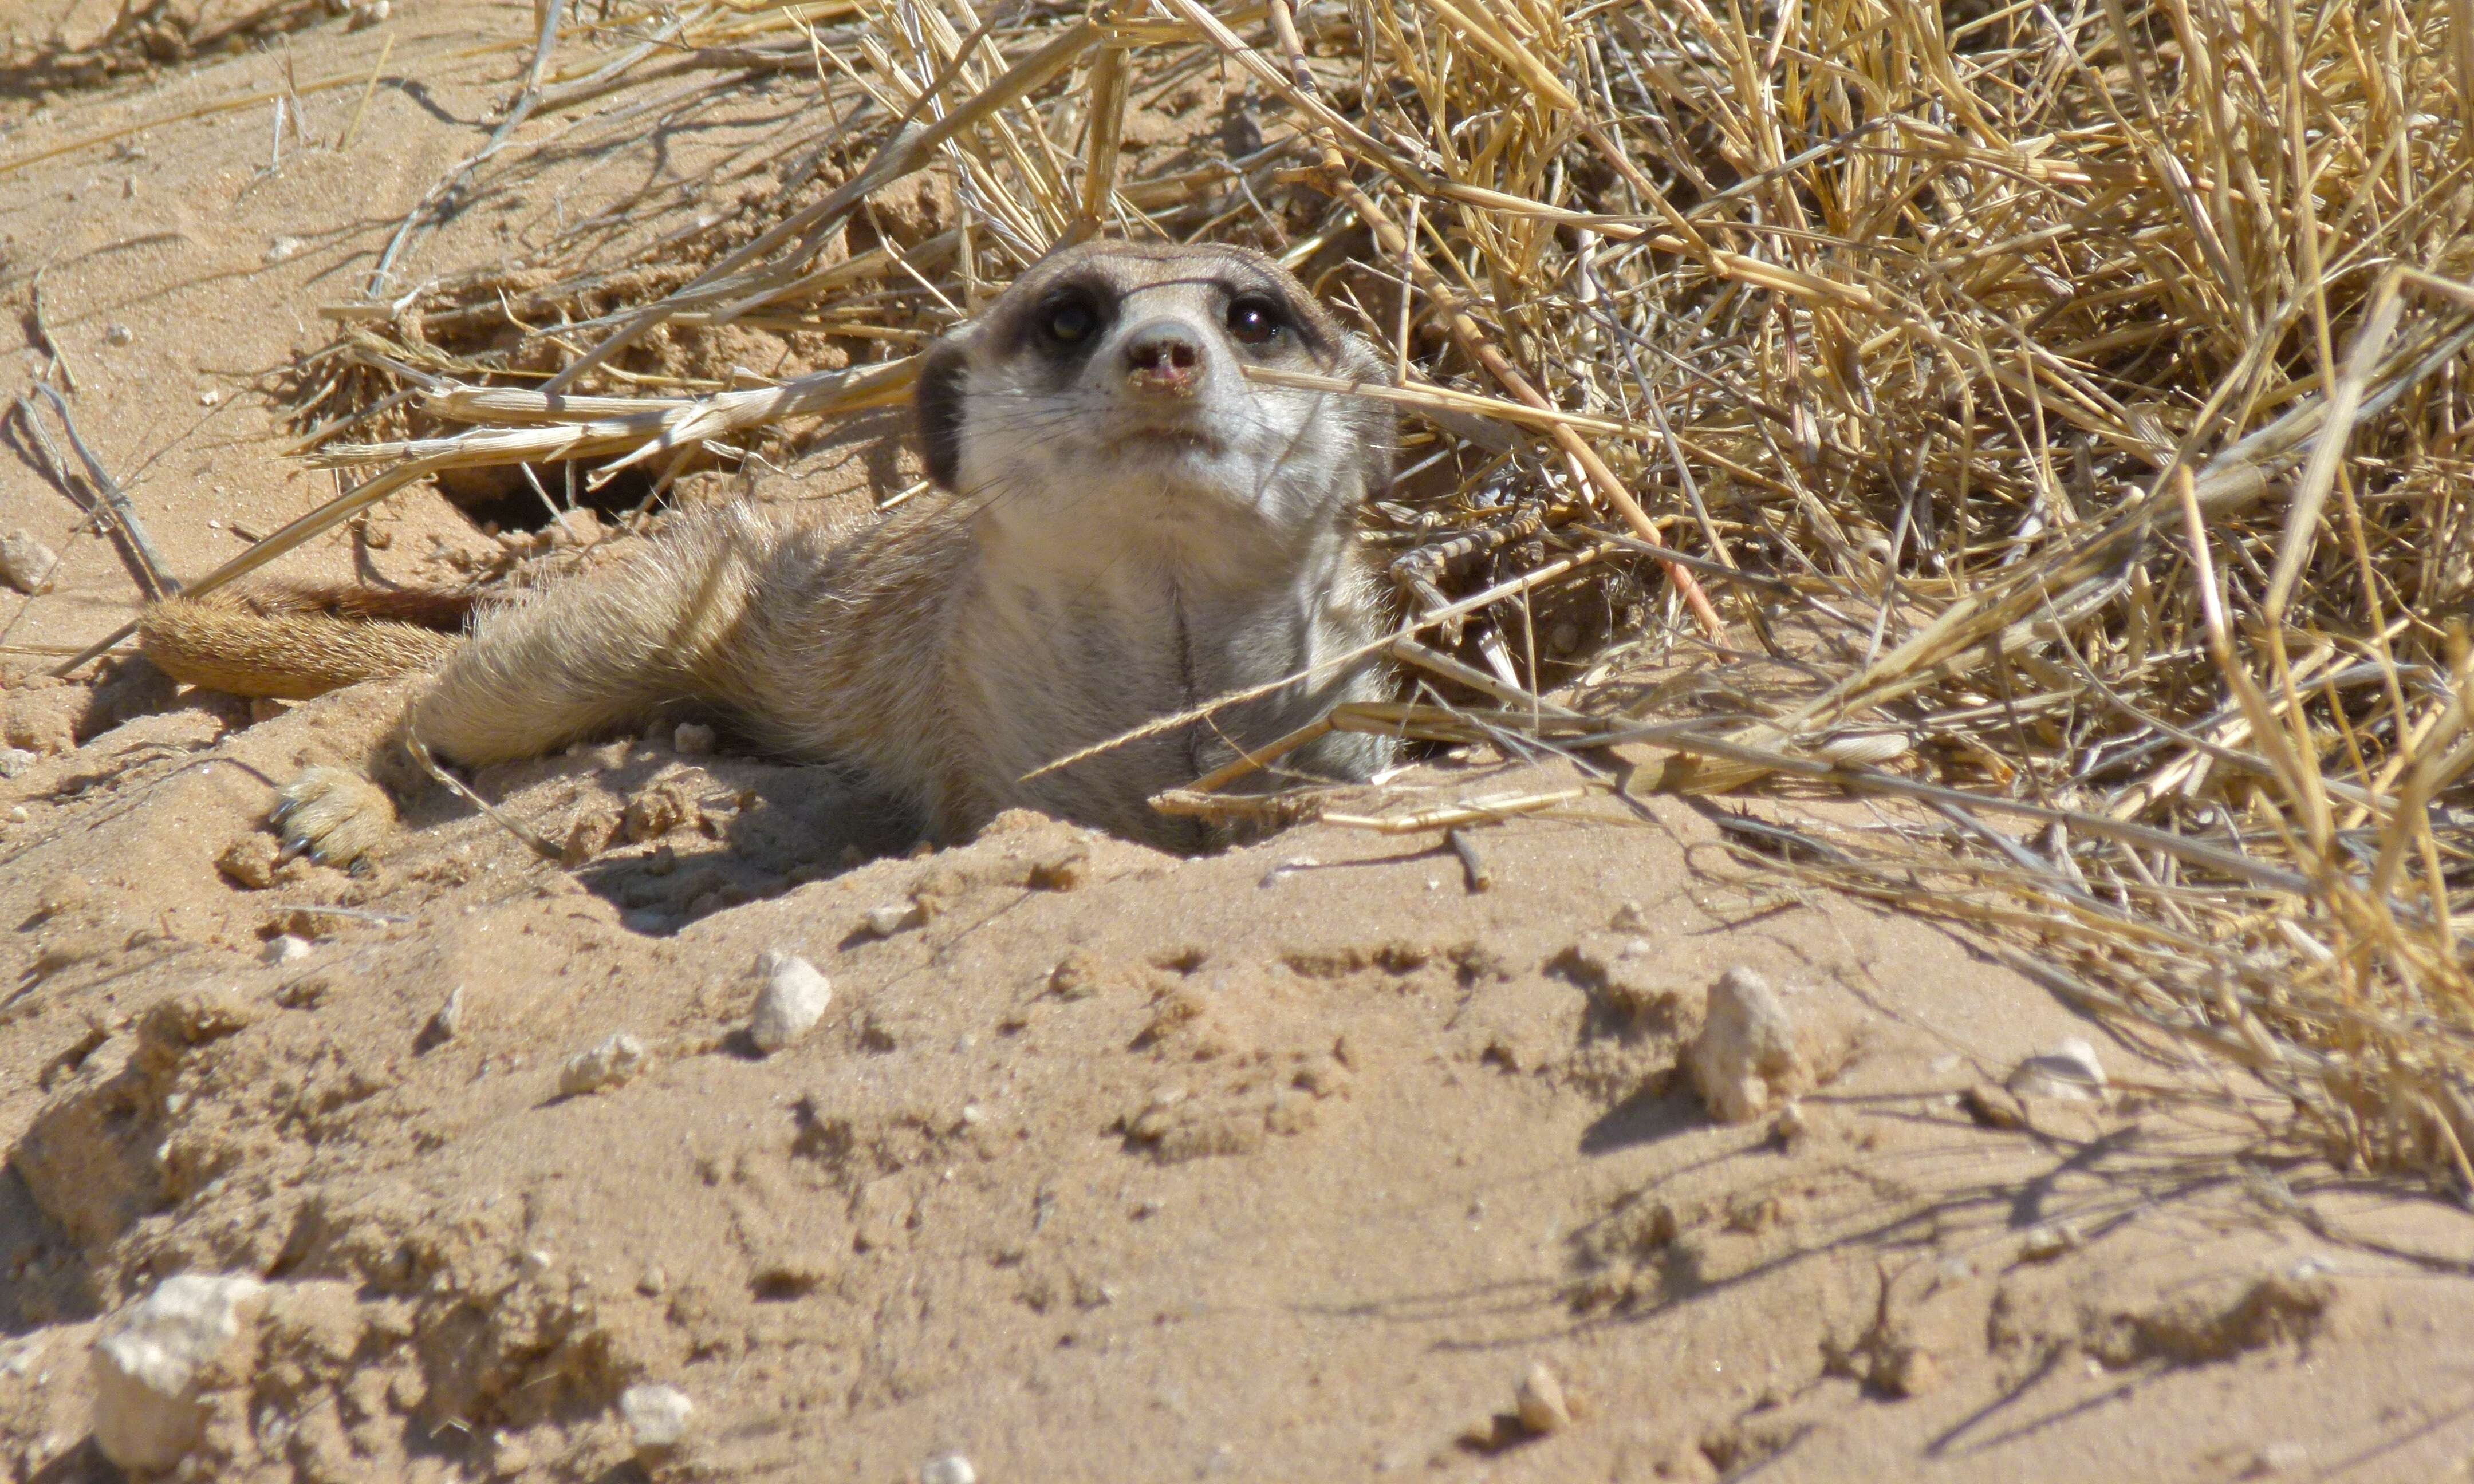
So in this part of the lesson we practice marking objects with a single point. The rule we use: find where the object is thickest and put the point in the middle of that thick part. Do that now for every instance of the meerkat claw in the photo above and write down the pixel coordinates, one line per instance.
(334, 816)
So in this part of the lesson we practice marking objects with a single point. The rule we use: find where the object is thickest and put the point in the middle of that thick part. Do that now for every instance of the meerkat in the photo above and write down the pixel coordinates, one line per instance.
(1124, 527)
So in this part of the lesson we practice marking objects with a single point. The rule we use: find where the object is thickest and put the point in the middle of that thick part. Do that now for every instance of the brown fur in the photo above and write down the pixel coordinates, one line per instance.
(293, 642)
(1129, 527)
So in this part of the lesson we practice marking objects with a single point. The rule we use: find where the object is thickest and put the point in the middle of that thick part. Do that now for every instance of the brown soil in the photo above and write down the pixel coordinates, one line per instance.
(1286, 1164)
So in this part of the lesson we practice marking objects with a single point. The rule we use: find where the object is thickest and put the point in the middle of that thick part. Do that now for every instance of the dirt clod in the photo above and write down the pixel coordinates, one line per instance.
(154, 1357)
(1540, 1401)
(657, 1416)
(1746, 1057)
(607, 1065)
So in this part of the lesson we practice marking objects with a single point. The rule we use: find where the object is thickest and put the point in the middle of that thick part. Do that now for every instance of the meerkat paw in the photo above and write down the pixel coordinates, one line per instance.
(335, 816)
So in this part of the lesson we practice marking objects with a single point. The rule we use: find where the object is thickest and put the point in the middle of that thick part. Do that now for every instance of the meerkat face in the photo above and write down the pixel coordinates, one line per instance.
(1116, 372)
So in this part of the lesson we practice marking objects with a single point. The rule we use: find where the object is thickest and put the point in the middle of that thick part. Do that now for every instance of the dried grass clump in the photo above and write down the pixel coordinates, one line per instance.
(2014, 411)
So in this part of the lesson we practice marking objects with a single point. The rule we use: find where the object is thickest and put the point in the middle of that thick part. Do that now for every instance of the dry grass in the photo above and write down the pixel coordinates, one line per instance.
(2062, 407)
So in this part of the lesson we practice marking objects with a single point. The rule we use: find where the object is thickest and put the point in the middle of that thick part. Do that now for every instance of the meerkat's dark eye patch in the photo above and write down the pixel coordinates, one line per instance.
(1070, 319)
(1257, 318)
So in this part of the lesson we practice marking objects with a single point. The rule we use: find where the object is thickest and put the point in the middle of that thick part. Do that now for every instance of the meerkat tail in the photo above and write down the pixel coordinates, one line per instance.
(605, 649)
(293, 643)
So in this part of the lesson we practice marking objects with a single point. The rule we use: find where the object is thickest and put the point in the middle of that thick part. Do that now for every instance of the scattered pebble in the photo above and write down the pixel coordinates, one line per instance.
(14, 761)
(17, 814)
(790, 1003)
(1791, 1125)
(1540, 1400)
(948, 1468)
(286, 948)
(886, 921)
(2068, 1071)
(605, 1066)
(693, 739)
(283, 248)
(657, 1416)
(118, 334)
(449, 1019)
(148, 1413)
(26, 564)
(1631, 917)
(2045, 1243)
(209, 397)
(1746, 1059)
(1292, 864)
(2283, 1457)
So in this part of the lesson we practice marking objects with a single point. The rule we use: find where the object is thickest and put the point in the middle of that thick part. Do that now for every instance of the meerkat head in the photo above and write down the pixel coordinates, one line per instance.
(1110, 381)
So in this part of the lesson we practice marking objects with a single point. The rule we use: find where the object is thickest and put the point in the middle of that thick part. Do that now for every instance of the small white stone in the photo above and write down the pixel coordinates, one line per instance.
(14, 761)
(26, 564)
(449, 1019)
(119, 334)
(2068, 1071)
(948, 1468)
(1746, 1057)
(286, 948)
(2283, 1457)
(886, 921)
(147, 1411)
(1287, 868)
(693, 739)
(605, 1066)
(1540, 1400)
(657, 1416)
(2045, 1243)
(283, 248)
(789, 1004)
(209, 397)
(17, 814)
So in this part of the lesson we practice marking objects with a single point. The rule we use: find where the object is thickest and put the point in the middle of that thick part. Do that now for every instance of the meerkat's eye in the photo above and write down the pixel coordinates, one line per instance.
(1255, 320)
(1070, 319)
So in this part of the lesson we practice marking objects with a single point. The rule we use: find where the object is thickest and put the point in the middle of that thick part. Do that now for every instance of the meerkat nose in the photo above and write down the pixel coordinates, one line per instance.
(1164, 356)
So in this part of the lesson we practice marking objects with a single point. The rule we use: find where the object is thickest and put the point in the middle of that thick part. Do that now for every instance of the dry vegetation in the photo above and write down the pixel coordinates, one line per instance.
(2048, 417)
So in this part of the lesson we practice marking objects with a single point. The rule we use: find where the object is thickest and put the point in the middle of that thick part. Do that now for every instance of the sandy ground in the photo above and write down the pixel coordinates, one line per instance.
(1288, 1163)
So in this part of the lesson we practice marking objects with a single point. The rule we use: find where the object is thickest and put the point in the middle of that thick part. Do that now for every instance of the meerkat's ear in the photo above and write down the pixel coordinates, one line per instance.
(937, 403)
(1375, 424)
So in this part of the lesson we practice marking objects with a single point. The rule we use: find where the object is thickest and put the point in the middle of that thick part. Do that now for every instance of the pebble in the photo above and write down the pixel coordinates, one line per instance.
(605, 1066)
(449, 1019)
(657, 1416)
(2285, 1457)
(17, 814)
(147, 1414)
(948, 1468)
(283, 248)
(2068, 1071)
(886, 921)
(1746, 1059)
(286, 948)
(26, 564)
(1540, 1400)
(790, 1003)
(2045, 1243)
(693, 739)
(118, 334)
(14, 761)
